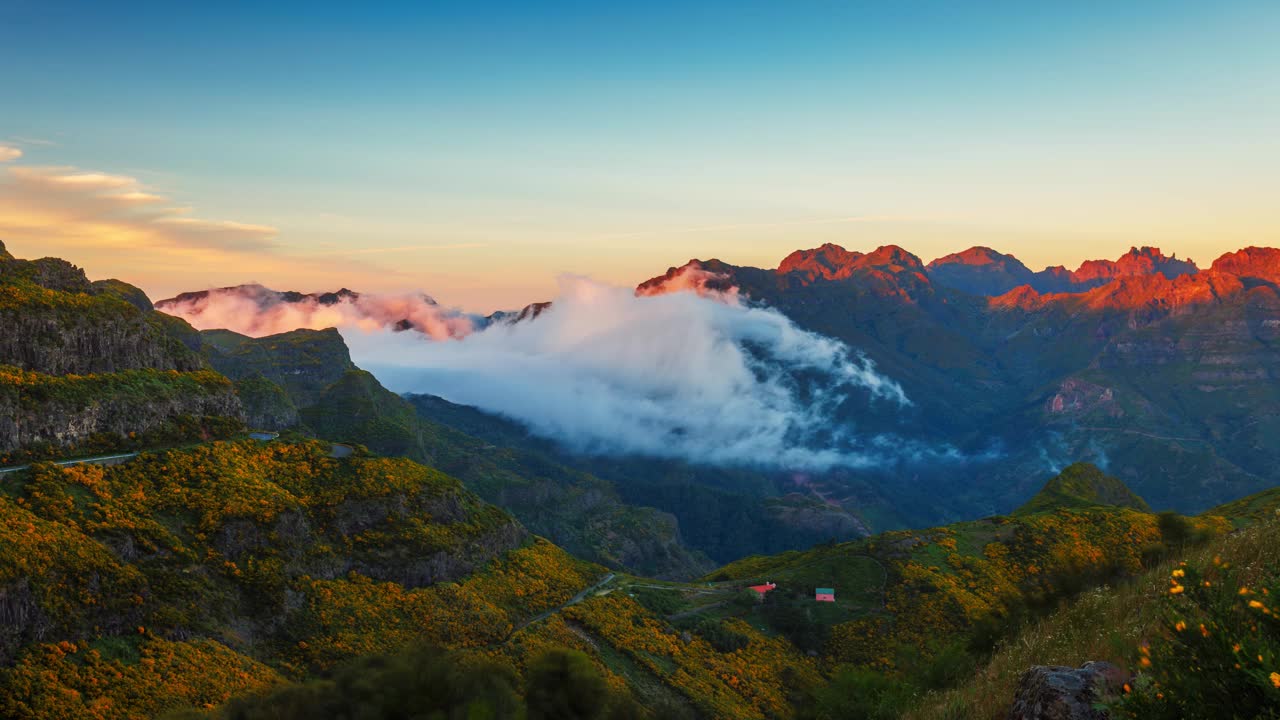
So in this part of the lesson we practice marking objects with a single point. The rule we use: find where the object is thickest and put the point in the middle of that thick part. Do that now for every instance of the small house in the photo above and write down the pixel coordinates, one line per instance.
(762, 589)
(825, 595)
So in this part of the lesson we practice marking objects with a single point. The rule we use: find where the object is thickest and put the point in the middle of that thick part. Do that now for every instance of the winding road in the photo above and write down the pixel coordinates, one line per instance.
(99, 460)
(548, 613)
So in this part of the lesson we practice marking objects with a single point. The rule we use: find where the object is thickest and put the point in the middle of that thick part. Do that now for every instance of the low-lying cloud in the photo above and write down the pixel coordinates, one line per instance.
(676, 375)
(257, 311)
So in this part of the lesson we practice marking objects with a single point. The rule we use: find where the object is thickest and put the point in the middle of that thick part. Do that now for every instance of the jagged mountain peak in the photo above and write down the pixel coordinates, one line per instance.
(1252, 263)
(828, 261)
(1146, 260)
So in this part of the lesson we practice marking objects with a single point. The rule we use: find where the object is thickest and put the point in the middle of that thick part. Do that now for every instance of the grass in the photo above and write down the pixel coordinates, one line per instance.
(1102, 624)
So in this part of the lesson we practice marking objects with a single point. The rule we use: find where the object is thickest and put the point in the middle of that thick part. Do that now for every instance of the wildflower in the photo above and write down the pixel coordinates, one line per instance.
(1145, 662)
(1244, 591)
(1204, 631)
(1180, 626)
(1176, 589)
(1256, 605)
(1235, 648)
(1179, 572)
(1275, 679)
(1127, 689)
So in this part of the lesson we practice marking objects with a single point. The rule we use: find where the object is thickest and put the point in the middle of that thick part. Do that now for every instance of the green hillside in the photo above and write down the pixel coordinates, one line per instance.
(905, 599)
(91, 367)
(1082, 485)
(305, 380)
(249, 562)
(1144, 628)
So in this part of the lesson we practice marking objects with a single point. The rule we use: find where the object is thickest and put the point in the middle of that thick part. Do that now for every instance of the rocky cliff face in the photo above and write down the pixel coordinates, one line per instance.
(55, 321)
(303, 362)
(92, 363)
(1257, 264)
(983, 271)
(38, 410)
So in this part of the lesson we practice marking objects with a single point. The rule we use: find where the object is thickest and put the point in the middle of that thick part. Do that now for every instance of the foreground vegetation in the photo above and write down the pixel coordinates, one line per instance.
(1183, 643)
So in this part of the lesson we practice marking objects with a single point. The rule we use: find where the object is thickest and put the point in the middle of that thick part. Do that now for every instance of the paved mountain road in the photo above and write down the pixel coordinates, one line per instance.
(548, 613)
(99, 460)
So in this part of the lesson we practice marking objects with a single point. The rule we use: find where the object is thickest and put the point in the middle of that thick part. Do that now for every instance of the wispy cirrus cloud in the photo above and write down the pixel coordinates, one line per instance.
(116, 225)
(9, 153)
(99, 209)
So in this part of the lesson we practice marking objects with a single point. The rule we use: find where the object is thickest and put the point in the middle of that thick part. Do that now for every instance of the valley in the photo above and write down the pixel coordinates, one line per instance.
(317, 524)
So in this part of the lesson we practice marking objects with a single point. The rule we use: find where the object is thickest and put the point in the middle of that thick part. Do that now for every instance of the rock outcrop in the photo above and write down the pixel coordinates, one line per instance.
(983, 271)
(1063, 693)
(82, 361)
(62, 413)
(302, 362)
(55, 321)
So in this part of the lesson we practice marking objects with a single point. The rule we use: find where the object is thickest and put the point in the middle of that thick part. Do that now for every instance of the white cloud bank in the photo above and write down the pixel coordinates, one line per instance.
(256, 311)
(675, 375)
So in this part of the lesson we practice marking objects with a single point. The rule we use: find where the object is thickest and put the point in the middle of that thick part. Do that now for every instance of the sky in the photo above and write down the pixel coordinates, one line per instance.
(476, 151)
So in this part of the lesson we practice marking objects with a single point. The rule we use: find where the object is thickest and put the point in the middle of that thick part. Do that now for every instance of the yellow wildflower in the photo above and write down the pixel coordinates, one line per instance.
(1179, 572)
(1275, 679)
(1180, 626)
(1176, 589)
(1256, 605)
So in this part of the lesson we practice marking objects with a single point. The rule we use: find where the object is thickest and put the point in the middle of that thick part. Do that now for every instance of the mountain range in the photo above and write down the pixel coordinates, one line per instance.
(369, 540)
(1138, 364)
(1159, 371)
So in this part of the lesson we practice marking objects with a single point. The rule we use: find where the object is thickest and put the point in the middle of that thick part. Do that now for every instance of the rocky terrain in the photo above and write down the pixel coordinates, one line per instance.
(1142, 363)
(91, 366)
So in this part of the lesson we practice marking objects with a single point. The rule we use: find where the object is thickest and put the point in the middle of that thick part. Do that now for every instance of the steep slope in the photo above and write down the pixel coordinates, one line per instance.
(723, 513)
(237, 556)
(57, 322)
(1252, 264)
(905, 598)
(1144, 364)
(90, 367)
(980, 271)
(1123, 624)
(305, 379)
(302, 362)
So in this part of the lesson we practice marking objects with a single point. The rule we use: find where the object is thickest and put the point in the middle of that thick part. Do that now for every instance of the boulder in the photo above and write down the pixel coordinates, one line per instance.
(1063, 693)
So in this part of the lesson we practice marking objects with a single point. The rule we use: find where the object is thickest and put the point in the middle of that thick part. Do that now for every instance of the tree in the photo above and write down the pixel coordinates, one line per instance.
(565, 685)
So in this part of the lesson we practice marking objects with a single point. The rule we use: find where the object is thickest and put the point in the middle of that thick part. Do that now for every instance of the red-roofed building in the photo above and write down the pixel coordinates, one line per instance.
(762, 589)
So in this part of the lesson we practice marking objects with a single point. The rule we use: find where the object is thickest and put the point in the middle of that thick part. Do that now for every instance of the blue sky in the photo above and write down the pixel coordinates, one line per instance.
(476, 150)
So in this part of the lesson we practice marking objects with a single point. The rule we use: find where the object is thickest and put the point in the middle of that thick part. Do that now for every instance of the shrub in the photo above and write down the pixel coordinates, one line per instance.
(1218, 647)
